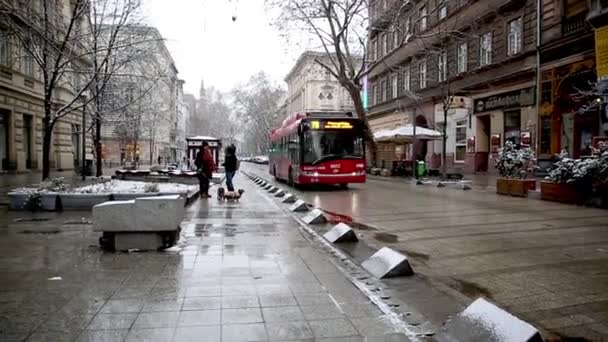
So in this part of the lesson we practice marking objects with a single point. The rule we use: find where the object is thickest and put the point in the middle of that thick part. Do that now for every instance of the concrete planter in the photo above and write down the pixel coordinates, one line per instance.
(17, 200)
(82, 201)
(130, 196)
(515, 187)
(50, 201)
(560, 192)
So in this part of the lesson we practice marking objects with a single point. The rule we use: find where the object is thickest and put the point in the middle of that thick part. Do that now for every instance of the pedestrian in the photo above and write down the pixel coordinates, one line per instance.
(231, 165)
(205, 166)
(159, 159)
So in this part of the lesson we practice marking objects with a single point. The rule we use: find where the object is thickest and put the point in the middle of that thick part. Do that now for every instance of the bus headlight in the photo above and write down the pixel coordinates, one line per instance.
(316, 174)
(360, 165)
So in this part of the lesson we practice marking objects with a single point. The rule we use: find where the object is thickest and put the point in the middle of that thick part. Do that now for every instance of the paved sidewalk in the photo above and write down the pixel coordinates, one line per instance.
(545, 262)
(246, 273)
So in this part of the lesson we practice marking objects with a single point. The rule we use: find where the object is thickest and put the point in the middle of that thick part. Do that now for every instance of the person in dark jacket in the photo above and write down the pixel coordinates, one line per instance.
(231, 165)
(205, 167)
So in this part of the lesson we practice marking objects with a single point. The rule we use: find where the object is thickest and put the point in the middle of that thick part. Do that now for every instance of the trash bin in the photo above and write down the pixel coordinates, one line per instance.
(420, 168)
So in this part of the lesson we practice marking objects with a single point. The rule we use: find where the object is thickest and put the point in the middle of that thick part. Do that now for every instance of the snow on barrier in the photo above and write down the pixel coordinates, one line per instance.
(387, 263)
(316, 216)
(299, 206)
(267, 187)
(341, 233)
(145, 223)
(279, 193)
(273, 190)
(484, 321)
(289, 198)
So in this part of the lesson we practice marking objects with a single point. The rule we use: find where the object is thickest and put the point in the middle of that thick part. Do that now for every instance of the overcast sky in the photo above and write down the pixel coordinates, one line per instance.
(206, 44)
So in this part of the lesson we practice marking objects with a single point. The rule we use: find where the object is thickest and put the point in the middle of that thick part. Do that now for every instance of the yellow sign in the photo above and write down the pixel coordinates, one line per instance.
(601, 52)
(338, 125)
(315, 124)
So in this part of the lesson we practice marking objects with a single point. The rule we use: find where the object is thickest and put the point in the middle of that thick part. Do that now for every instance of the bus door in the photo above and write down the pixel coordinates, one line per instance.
(294, 151)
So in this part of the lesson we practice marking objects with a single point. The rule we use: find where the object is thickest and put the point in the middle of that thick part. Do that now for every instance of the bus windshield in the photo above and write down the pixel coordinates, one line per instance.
(326, 145)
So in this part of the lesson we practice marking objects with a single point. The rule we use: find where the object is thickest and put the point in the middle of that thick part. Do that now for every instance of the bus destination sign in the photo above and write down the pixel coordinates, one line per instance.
(316, 124)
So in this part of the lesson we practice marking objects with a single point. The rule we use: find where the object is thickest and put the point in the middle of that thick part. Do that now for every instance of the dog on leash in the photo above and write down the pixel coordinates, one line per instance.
(222, 194)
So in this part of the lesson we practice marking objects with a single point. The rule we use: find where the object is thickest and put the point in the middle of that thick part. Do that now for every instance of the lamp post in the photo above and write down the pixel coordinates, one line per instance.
(83, 99)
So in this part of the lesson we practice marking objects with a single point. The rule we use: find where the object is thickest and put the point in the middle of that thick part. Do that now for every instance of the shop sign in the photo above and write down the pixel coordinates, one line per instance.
(601, 52)
(513, 99)
(495, 142)
(525, 139)
(471, 145)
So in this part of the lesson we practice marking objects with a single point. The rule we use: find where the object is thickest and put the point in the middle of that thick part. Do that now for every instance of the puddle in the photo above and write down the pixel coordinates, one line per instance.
(33, 219)
(470, 289)
(386, 237)
(44, 232)
(415, 255)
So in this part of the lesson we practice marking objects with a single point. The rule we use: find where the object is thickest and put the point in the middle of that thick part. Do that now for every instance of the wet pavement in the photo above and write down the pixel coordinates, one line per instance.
(245, 273)
(544, 262)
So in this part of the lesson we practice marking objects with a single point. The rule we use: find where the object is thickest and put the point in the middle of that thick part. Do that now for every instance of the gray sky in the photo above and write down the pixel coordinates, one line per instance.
(206, 43)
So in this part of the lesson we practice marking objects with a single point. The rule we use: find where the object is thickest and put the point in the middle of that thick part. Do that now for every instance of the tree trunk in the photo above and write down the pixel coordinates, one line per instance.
(355, 94)
(47, 129)
(444, 145)
(97, 143)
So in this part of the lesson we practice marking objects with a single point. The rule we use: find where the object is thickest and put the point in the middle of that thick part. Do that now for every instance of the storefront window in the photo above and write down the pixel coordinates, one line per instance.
(513, 126)
(461, 140)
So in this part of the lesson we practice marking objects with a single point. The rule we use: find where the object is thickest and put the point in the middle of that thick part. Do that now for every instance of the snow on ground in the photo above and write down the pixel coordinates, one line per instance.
(126, 187)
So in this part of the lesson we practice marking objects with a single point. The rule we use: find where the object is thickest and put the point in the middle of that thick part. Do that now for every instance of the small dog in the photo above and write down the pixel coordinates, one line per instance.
(229, 195)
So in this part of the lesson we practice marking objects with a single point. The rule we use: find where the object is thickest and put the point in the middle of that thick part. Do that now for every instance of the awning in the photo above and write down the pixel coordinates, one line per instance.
(405, 134)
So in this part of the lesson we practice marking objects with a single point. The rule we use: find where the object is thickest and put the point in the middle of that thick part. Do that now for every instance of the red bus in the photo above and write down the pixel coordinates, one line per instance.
(318, 148)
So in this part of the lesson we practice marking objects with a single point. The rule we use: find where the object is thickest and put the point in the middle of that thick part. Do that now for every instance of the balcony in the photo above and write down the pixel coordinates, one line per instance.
(574, 25)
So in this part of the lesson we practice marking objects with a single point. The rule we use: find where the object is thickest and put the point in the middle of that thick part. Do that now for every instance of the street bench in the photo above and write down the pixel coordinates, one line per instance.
(145, 223)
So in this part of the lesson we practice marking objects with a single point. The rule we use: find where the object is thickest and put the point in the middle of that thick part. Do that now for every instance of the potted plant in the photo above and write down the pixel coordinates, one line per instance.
(514, 164)
(577, 181)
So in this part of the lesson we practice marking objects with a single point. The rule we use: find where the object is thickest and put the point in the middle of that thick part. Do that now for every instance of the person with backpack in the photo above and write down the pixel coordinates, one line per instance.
(231, 165)
(205, 167)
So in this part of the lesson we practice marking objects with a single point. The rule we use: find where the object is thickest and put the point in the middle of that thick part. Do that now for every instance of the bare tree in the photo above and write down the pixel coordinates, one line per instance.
(256, 104)
(339, 29)
(71, 49)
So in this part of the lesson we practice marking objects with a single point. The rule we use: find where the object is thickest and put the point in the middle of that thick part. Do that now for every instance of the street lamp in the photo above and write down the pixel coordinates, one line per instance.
(83, 99)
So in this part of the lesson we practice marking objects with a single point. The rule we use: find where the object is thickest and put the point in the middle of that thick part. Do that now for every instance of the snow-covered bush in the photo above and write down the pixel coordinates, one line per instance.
(590, 171)
(151, 187)
(53, 185)
(513, 162)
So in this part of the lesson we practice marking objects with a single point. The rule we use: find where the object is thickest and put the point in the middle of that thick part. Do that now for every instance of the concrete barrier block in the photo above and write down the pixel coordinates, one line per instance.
(273, 190)
(316, 216)
(440, 185)
(341, 233)
(466, 187)
(484, 321)
(289, 198)
(279, 193)
(387, 263)
(162, 213)
(299, 206)
(114, 216)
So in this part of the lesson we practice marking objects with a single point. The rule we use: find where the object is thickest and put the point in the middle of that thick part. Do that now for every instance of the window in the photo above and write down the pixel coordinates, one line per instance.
(396, 41)
(383, 91)
(512, 128)
(28, 65)
(442, 65)
(395, 86)
(5, 48)
(408, 26)
(515, 37)
(423, 19)
(443, 11)
(384, 44)
(462, 57)
(485, 49)
(406, 78)
(461, 141)
(374, 50)
(422, 74)
(374, 94)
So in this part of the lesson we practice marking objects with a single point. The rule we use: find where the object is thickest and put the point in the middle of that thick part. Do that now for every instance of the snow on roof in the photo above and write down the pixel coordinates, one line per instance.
(202, 137)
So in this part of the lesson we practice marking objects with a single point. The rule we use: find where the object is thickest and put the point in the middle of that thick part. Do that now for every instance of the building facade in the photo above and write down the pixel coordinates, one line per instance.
(310, 87)
(22, 102)
(146, 129)
(472, 60)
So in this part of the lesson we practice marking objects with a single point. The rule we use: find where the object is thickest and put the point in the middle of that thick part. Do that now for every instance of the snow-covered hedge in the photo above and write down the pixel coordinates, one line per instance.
(513, 162)
(590, 171)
